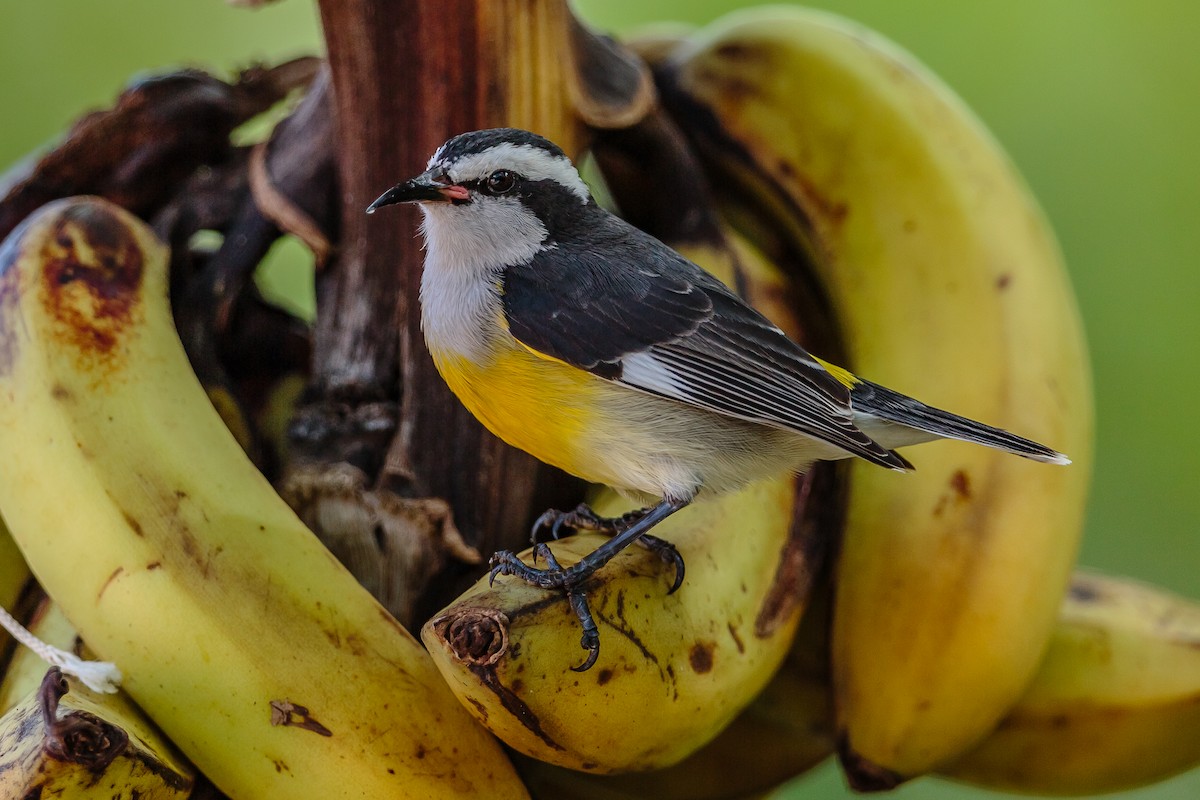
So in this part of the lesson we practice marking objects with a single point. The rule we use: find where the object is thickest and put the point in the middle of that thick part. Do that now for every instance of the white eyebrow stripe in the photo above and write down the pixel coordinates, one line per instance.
(524, 159)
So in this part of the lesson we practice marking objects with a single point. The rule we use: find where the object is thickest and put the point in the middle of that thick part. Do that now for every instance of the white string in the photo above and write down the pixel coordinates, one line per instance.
(99, 676)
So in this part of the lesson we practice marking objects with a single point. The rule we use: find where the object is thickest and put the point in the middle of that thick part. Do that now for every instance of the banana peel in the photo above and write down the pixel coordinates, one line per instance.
(238, 633)
(947, 285)
(673, 669)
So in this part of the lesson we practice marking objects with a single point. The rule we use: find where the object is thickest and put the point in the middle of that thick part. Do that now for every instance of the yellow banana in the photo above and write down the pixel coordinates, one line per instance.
(238, 633)
(25, 669)
(1115, 705)
(674, 669)
(145, 767)
(64, 741)
(784, 732)
(948, 286)
(14, 574)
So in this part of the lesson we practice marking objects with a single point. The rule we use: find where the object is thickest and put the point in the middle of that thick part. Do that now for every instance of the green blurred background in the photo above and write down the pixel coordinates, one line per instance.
(1098, 102)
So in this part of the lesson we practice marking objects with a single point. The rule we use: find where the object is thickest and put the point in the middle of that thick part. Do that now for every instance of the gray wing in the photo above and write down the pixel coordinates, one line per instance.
(628, 308)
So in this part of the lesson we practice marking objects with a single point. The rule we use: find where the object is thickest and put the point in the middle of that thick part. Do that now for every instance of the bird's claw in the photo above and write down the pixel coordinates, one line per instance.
(668, 553)
(554, 576)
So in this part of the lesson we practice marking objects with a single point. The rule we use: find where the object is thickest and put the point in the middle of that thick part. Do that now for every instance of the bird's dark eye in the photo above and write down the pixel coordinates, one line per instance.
(501, 181)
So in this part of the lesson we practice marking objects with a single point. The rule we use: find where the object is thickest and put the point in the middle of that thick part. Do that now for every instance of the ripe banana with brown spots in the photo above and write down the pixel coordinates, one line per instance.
(238, 633)
(947, 285)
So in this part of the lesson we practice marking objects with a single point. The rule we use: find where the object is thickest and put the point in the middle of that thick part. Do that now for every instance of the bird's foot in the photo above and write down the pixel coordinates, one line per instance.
(583, 518)
(624, 530)
(555, 576)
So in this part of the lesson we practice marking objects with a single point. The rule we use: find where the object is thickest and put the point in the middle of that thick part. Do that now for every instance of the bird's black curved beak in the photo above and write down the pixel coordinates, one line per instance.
(429, 187)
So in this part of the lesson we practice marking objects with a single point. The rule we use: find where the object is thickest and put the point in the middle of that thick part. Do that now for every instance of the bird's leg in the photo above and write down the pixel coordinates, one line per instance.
(583, 518)
(570, 579)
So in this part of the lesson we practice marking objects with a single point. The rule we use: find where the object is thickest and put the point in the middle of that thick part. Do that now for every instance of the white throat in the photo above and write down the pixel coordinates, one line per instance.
(466, 249)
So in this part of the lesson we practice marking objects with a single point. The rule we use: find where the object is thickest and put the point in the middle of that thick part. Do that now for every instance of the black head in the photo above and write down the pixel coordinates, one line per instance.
(498, 165)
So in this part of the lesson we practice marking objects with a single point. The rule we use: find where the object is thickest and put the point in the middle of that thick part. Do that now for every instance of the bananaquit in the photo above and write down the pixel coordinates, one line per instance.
(597, 348)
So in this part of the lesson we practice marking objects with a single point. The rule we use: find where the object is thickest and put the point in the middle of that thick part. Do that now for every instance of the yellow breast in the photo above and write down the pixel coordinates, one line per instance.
(540, 405)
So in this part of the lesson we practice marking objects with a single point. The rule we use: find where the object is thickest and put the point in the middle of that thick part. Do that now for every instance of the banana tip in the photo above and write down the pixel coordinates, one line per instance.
(864, 775)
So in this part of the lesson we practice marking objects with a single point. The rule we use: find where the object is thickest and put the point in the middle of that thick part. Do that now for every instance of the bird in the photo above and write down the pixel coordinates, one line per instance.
(595, 347)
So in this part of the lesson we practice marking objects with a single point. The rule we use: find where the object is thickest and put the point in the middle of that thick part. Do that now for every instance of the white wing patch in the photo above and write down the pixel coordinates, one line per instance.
(647, 372)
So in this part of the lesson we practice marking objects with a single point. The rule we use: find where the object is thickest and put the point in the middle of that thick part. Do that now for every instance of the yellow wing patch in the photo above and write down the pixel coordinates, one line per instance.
(844, 377)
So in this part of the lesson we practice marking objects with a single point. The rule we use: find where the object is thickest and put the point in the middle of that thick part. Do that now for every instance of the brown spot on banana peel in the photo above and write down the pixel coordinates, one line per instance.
(960, 482)
(512, 703)
(133, 524)
(91, 276)
(116, 573)
(621, 628)
(803, 554)
(293, 715)
(959, 492)
(737, 640)
(862, 775)
(700, 657)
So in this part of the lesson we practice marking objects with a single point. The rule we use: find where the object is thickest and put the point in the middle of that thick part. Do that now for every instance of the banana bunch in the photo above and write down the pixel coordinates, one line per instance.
(1114, 705)
(253, 650)
(855, 201)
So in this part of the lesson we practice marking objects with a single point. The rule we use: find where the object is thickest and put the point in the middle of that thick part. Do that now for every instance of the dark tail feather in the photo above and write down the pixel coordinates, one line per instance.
(871, 398)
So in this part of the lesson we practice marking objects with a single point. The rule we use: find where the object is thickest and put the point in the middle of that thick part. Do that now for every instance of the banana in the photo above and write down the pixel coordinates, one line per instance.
(65, 741)
(145, 766)
(674, 669)
(1115, 705)
(784, 732)
(238, 633)
(948, 286)
(25, 669)
(14, 574)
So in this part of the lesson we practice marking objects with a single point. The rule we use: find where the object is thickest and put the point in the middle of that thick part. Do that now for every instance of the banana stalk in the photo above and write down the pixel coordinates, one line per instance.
(948, 286)
(238, 633)
(405, 77)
